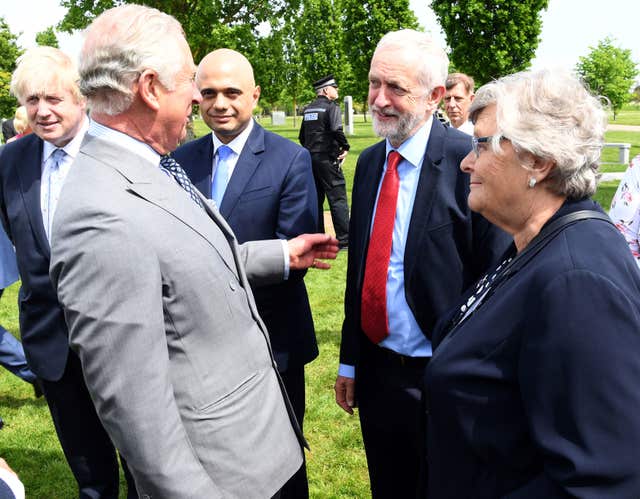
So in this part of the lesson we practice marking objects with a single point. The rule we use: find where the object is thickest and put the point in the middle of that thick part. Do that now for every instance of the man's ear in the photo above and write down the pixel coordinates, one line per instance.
(437, 94)
(148, 89)
(256, 95)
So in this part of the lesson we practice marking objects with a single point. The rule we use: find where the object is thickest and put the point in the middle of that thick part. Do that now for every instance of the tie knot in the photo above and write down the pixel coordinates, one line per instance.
(168, 162)
(393, 160)
(57, 156)
(224, 152)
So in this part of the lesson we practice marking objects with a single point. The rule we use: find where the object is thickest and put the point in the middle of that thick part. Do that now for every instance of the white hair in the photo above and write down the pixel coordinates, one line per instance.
(432, 63)
(119, 45)
(552, 116)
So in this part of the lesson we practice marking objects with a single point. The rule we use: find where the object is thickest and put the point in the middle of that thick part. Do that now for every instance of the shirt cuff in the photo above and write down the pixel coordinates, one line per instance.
(285, 255)
(13, 482)
(347, 371)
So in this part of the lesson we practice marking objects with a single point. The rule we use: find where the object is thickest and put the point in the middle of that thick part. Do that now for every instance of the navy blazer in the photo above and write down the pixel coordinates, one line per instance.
(271, 194)
(447, 249)
(42, 326)
(536, 394)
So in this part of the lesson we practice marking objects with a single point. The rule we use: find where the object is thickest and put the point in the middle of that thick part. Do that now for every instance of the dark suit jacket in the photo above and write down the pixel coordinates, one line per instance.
(42, 326)
(8, 129)
(447, 247)
(536, 394)
(271, 194)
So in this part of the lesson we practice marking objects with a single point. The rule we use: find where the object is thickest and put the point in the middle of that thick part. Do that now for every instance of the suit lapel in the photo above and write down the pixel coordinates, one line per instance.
(425, 194)
(369, 181)
(246, 166)
(150, 183)
(202, 165)
(30, 173)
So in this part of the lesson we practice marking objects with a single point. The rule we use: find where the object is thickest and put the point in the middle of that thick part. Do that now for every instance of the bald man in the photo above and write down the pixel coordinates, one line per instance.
(263, 186)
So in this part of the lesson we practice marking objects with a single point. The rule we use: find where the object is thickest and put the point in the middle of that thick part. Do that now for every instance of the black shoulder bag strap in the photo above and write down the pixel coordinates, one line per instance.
(548, 233)
(521, 259)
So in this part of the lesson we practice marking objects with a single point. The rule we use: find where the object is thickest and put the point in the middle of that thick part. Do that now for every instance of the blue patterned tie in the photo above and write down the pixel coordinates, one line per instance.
(54, 187)
(171, 166)
(221, 176)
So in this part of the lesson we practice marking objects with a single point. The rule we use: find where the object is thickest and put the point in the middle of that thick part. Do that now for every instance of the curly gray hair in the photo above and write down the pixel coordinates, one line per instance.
(552, 116)
(119, 45)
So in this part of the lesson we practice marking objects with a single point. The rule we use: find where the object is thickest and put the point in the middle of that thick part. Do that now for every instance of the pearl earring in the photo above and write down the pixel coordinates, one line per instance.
(532, 182)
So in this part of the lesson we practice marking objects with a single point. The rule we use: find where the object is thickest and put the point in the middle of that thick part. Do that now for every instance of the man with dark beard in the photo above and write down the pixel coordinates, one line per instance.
(414, 248)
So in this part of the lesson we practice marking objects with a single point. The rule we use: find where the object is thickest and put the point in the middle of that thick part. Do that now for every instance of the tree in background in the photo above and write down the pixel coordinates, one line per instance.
(9, 52)
(490, 38)
(318, 36)
(47, 38)
(208, 25)
(277, 70)
(609, 71)
(363, 24)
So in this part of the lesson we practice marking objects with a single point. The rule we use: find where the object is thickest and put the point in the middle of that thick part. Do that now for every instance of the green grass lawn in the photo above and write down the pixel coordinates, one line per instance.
(628, 115)
(337, 467)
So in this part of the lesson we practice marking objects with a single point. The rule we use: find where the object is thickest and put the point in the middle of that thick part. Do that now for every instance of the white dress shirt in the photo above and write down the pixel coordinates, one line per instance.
(405, 336)
(52, 182)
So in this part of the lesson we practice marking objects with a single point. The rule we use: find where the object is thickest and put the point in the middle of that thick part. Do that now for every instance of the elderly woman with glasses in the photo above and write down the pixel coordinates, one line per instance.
(533, 390)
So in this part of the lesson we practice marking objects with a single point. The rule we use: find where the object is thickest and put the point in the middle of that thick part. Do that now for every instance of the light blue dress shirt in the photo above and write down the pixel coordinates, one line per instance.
(405, 336)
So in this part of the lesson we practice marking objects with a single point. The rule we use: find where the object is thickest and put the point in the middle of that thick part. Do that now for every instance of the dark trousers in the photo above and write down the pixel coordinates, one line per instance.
(392, 418)
(330, 183)
(85, 443)
(293, 378)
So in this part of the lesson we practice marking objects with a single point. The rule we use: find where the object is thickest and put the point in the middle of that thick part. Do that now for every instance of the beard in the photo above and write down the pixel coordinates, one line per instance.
(399, 131)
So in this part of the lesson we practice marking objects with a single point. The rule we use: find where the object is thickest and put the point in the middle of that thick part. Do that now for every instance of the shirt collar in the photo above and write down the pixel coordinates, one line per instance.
(413, 149)
(125, 141)
(237, 144)
(72, 148)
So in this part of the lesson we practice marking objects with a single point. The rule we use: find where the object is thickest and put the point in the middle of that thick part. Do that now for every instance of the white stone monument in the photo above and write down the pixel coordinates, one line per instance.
(348, 114)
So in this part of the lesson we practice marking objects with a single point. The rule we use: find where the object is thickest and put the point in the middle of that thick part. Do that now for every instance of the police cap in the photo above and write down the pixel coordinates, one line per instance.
(327, 81)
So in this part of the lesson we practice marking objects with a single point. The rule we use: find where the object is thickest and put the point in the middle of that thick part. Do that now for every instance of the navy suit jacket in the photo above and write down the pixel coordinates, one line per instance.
(42, 326)
(447, 246)
(271, 194)
(536, 394)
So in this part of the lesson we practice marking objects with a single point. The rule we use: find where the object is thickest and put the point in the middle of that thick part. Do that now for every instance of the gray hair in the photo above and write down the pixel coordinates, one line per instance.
(432, 63)
(43, 70)
(119, 45)
(552, 116)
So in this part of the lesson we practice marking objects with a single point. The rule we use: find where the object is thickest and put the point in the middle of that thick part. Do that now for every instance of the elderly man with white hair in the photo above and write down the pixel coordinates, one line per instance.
(155, 288)
(414, 248)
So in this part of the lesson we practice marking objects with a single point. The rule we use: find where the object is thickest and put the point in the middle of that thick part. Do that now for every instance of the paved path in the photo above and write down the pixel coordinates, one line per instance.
(623, 128)
(610, 176)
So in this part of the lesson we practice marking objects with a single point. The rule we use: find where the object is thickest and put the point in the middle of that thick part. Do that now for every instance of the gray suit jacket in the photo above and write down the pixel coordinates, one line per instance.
(160, 311)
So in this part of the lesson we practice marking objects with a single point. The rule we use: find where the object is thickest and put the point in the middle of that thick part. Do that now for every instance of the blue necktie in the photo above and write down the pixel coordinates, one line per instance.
(221, 175)
(54, 187)
(171, 166)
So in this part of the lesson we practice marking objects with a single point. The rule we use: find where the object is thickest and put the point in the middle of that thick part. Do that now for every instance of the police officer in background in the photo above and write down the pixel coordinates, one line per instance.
(321, 133)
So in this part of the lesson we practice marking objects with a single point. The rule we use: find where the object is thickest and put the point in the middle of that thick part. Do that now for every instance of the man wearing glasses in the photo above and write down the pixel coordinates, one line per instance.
(414, 248)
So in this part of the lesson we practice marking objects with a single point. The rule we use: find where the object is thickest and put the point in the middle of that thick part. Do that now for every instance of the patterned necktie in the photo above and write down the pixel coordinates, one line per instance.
(53, 188)
(221, 175)
(374, 317)
(170, 165)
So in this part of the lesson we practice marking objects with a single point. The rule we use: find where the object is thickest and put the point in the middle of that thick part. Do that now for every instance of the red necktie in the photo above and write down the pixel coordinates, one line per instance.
(374, 318)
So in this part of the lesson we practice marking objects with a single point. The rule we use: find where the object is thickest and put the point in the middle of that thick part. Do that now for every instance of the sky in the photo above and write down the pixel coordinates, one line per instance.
(569, 27)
